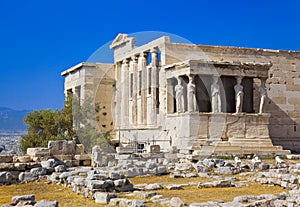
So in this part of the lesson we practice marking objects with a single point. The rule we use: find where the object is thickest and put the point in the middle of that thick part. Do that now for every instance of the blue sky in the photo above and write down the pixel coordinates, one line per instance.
(40, 39)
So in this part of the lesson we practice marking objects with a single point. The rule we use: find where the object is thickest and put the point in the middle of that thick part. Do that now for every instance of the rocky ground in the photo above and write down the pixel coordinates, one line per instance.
(112, 185)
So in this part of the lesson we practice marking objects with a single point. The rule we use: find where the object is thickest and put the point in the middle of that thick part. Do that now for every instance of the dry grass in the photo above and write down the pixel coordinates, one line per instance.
(165, 179)
(193, 194)
(190, 194)
(42, 191)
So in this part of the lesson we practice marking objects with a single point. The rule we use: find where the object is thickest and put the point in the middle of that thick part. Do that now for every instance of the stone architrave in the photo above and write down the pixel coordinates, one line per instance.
(191, 87)
(263, 95)
(179, 96)
(215, 96)
(239, 95)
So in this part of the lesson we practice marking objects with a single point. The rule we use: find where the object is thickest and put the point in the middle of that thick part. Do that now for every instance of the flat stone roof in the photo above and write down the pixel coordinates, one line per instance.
(80, 65)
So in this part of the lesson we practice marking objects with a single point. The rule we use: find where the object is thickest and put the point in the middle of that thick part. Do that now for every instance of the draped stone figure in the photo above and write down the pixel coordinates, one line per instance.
(215, 96)
(263, 96)
(192, 104)
(179, 97)
(239, 95)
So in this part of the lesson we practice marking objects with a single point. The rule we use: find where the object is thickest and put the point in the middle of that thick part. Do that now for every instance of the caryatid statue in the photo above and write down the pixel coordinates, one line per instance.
(179, 96)
(263, 95)
(215, 96)
(191, 87)
(239, 95)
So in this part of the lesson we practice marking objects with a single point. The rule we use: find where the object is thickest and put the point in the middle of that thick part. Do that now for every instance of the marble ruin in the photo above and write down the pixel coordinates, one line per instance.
(195, 98)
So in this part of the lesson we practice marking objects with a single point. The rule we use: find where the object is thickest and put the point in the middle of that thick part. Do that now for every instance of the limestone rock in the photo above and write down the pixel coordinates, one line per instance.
(27, 176)
(227, 170)
(6, 158)
(51, 163)
(5, 177)
(123, 185)
(24, 159)
(154, 186)
(176, 202)
(44, 203)
(143, 194)
(60, 168)
(136, 203)
(104, 198)
(24, 199)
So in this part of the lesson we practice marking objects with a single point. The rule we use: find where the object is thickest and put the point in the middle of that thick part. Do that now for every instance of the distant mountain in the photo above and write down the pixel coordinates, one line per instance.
(11, 121)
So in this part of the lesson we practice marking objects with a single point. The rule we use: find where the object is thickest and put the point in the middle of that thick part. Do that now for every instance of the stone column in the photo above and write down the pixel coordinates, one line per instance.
(125, 93)
(191, 95)
(170, 96)
(263, 94)
(133, 69)
(154, 54)
(117, 109)
(154, 86)
(144, 88)
(142, 85)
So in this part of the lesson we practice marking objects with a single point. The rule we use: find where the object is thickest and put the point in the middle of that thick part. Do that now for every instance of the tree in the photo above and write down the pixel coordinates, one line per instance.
(46, 125)
(75, 121)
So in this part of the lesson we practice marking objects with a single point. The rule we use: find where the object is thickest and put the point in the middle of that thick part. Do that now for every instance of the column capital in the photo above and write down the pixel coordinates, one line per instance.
(125, 61)
(142, 54)
(133, 58)
(191, 77)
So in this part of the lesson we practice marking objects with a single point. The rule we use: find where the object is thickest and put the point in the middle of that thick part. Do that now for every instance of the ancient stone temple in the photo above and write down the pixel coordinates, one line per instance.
(196, 98)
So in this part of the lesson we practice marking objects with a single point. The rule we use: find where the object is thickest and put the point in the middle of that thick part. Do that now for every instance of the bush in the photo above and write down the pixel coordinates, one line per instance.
(46, 125)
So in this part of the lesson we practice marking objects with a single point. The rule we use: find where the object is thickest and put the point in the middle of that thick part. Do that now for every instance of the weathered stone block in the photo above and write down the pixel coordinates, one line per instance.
(82, 157)
(6, 166)
(24, 159)
(38, 152)
(17, 199)
(44, 203)
(144, 194)
(61, 147)
(5, 177)
(123, 185)
(104, 198)
(6, 158)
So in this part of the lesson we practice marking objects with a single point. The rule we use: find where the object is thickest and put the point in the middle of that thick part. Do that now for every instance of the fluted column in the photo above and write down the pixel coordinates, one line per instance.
(117, 109)
(141, 99)
(125, 93)
(133, 91)
(144, 88)
(154, 85)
